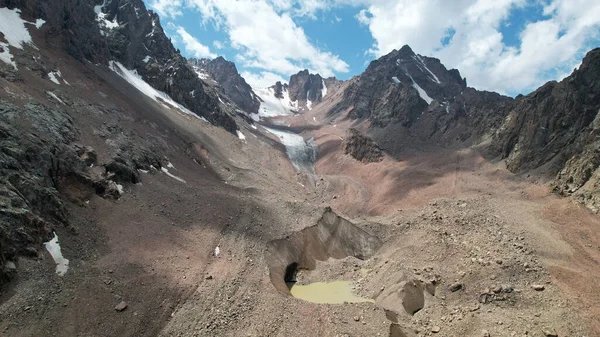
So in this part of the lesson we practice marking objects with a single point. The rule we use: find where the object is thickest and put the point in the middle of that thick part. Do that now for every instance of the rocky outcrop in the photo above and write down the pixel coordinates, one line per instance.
(133, 37)
(308, 89)
(36, 158)
(279, 89)
(412, 101)
(361, 148)
(43, 169)
(234, 86)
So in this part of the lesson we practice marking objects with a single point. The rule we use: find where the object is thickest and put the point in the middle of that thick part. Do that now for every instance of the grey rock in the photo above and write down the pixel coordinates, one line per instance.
(121, 306)
(455, 287)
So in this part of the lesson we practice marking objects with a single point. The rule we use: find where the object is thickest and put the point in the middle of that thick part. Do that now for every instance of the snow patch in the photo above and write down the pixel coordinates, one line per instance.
(422, 93)
(434, 78)
(308, 102)
(202, 75)
(240, 135)
(53, 247)
(301, 153)
(120, 189)
(166, 171)
(146, 59)
(169, 165)
(272, 106)
(103, 22)
(55, 97)
(13, 27)
(396, 80)
(15, 33)
(53, 77)
(136, 80)
(6, 56)
(39, 23)
(324, 90)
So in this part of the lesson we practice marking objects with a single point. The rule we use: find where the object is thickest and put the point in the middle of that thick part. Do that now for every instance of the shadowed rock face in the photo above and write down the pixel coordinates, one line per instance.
(279, 88)
(555, 121)
(138, 42)
(306, 86)
(332, 237)
(233, 84)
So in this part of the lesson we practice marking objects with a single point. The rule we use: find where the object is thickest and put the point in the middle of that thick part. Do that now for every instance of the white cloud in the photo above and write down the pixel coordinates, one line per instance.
(167, 8)
(548, 48)
(218, 44)
(267, 39)
(192, 45)
(263, 80)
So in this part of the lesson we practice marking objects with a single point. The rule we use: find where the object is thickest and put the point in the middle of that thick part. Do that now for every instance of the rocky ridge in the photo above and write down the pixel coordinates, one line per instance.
(306, 89)
(419, 101)
(233, 85)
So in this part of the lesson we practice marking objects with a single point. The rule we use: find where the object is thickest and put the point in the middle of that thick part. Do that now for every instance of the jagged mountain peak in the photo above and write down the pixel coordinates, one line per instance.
(232, 84)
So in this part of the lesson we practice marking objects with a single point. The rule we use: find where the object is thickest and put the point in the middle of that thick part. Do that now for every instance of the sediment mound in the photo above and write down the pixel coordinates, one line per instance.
(332, 237)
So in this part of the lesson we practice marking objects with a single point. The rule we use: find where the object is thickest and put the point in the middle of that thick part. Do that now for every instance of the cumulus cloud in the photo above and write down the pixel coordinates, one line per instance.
(218, 44)
(263, 79)
(167, 8)
(464, 34)
(192, 45)
(548, 48)
(267, 39)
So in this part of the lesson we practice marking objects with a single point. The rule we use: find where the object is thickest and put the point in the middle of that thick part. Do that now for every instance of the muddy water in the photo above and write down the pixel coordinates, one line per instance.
(336, 292)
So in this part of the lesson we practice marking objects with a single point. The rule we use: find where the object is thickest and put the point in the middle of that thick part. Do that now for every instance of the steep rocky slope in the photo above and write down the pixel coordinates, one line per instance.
(42, 164)
(232, 83)
(414, 97)
(126, 32)
(557, 126)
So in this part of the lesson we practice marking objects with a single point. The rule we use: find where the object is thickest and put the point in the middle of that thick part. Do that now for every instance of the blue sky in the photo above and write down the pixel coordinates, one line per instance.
(509, 46)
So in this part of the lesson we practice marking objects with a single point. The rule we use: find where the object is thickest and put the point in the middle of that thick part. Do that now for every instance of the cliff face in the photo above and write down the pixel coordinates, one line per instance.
(558, 126)
(234, 86)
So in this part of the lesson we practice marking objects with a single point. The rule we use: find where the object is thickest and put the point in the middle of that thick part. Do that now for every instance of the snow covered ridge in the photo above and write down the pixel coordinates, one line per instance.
(15, 33)
(272, 106)
(136, 80)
